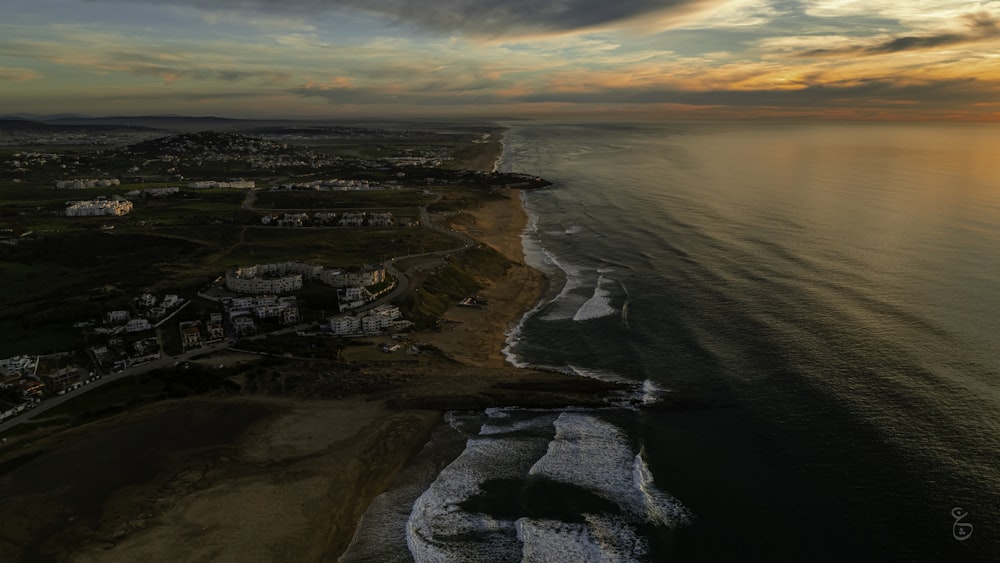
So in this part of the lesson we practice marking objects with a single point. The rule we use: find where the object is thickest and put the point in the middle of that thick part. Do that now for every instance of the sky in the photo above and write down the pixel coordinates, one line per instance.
(696, 59)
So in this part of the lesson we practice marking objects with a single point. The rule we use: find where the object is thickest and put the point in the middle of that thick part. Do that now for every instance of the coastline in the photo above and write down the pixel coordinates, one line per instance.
(295, 482)
(478, 336)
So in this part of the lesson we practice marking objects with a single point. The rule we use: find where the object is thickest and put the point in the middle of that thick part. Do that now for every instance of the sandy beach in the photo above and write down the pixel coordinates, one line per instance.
(259, 478)
(476, 336)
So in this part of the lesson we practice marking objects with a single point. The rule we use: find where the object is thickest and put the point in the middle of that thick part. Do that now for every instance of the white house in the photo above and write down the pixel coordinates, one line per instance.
(97, 208)
(390, 311)
(345, 324)
(136, 325)
(380, 219)
(349, 219)
(243, 324)
(117, 316)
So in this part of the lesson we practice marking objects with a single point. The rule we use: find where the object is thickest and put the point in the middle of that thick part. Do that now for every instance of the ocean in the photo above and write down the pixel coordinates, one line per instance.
(809, 314)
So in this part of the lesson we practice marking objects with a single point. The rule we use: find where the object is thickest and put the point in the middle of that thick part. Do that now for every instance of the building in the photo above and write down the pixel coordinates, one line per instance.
(19, 365)
(98, 208)
(378, 320)
(381, 220)
(243, 325)
(243, 184)
(284, 277)
(191, 334)
(240, 283)
(345, 324)
(84, 184)
(137, 325)
(350, 294)
(159, 192)
(349, 219)
(353, 278)
(117, 316)
(215, 331)
(293, 220)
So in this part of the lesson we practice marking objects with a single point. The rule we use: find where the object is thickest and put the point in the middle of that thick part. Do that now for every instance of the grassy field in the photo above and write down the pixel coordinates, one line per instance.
(375, 199)
(334, 247)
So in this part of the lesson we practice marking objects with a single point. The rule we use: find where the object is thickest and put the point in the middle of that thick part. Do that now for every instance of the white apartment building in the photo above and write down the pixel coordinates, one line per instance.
(97, 208)
(345, 324)
(87, 183)
(137, 325)
(117, 316)
(244, 184)
(350, 219)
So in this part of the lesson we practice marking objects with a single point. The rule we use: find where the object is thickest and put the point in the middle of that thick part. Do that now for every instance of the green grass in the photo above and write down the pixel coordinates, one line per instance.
(454, 280)
(378, 199)
(17, 339)
(130, 391)
(334, 247)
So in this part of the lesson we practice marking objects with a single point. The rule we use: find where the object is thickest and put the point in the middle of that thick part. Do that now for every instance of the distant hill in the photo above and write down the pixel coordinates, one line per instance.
(337, 132)
(160, 122)
(203, 143)
(14, 125)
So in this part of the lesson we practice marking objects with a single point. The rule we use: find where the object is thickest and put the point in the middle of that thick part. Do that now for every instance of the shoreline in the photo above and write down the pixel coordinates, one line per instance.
(296, 481)
(480, 337)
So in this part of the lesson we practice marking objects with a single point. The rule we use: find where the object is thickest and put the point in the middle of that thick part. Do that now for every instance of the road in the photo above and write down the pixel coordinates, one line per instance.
(164, 361)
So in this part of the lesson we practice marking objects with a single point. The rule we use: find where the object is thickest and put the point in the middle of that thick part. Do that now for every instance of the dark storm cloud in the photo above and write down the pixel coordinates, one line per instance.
(980, 26)
(477, 17)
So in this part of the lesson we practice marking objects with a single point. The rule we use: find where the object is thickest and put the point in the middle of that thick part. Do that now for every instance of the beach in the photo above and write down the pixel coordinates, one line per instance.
(289, 478)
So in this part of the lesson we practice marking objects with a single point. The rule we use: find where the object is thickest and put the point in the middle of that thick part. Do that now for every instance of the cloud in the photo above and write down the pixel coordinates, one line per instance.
(173, 74)
(8, 74)
(980, 27)
(100, 54)
(496, 18)
(913, 13)
(874, 93)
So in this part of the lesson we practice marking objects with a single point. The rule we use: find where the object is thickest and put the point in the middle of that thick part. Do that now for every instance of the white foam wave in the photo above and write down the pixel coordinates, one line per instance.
(597, 540)
(532, 250)
(619, 539)
(599, 305)
(651, 393)
(565, 304)
(596, 455)
(592, 454)
(437, 515)
(566, 231)
(597, 374)
(585, 451)
(625, 306)
(522, 425)
(661, 508)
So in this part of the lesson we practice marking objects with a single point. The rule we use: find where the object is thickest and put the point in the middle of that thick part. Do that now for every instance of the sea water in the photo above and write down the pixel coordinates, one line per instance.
(810, 314)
